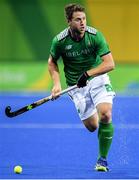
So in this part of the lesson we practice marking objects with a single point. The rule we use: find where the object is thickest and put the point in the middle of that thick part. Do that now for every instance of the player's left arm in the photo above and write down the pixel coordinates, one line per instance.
(102, 49)
(106, 66)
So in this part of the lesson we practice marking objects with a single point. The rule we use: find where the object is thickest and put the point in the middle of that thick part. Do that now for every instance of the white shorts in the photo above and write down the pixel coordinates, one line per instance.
(98, 90)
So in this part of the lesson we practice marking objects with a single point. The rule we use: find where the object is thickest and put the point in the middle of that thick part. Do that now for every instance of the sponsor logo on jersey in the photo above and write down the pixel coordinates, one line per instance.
(68, 47)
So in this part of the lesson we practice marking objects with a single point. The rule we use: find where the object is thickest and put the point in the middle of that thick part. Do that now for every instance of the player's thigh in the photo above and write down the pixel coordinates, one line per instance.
(83, 103)
(103, 100)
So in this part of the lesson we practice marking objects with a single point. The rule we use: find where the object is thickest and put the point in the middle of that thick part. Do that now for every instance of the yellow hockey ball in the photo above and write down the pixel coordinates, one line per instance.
(18, 169)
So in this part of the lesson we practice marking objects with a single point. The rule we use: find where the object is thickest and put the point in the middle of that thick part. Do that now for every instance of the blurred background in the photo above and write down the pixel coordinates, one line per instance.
(28, 26)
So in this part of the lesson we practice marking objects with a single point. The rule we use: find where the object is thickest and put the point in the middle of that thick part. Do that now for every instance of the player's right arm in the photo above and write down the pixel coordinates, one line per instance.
(53, 66)
(54, 72)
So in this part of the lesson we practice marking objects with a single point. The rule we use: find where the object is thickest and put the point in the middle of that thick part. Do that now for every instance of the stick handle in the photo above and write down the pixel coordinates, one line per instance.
(48, 98)
(68, 89)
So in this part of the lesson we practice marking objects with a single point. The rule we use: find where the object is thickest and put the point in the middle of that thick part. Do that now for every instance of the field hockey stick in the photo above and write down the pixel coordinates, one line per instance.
(11, 114)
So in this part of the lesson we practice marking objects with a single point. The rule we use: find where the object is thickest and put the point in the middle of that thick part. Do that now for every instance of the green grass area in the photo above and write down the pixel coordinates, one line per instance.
(20, 77)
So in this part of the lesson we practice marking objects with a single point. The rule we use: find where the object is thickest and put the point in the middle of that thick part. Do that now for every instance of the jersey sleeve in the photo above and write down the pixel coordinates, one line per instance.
(102, 47)
(55, 50)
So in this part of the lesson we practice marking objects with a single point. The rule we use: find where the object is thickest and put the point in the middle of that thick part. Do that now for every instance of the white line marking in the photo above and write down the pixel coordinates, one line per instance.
(41, 126)
(60, 126)
(127, 126)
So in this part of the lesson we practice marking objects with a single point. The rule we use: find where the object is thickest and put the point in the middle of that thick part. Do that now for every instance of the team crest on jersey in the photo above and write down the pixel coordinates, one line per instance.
(68, 47)
(89, 44)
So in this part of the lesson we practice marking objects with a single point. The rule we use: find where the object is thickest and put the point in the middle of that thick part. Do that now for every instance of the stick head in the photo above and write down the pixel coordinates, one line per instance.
(8, 111)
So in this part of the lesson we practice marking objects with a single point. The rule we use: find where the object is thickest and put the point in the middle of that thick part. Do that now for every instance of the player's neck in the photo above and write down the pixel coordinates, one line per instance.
(76, 36)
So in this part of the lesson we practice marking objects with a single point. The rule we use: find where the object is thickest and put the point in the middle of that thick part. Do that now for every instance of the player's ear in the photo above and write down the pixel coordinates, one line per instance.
(69, 22)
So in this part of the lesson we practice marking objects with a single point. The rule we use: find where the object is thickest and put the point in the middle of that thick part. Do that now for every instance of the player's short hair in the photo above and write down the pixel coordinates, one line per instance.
(71, 8)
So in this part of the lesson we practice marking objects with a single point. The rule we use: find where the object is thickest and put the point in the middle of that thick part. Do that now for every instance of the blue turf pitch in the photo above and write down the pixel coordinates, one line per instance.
(50, 141)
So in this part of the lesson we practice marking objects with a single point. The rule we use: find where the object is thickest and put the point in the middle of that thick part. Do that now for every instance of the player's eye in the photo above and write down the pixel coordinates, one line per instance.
(78, 19)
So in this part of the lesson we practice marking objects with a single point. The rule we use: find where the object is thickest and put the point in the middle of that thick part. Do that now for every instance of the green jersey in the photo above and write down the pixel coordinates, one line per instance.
(79, 56)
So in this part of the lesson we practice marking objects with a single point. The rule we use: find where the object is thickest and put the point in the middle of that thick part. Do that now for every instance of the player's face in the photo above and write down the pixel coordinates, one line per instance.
(78, 22)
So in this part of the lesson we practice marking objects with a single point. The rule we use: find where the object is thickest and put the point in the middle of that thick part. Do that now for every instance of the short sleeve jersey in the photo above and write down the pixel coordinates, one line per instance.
(79, 56)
